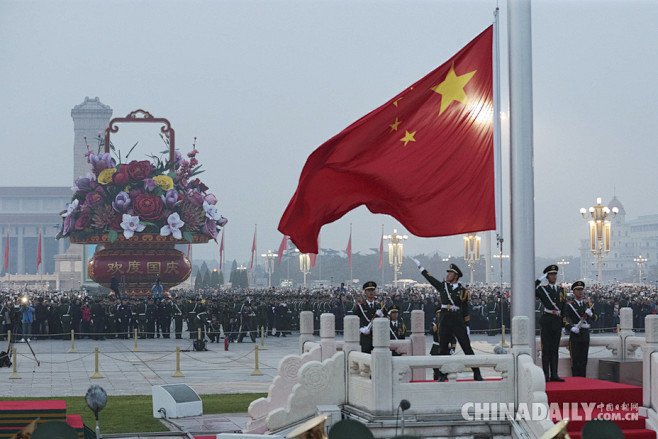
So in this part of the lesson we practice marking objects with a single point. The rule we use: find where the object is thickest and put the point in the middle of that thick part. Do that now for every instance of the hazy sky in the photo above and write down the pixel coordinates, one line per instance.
(264, 83)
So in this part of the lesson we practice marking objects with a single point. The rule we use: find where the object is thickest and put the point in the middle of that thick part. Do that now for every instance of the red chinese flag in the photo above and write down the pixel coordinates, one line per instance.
(7, 252)
(348, 250)
(39, 252)
(253, 251)
(282, 247)
(221, 251)
(425, 158)
(381, 251)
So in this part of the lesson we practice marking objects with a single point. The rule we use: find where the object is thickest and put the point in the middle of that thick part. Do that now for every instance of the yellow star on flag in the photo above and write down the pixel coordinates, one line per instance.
(394, 125)
(452, 88)
(396, 102)
(408, 137)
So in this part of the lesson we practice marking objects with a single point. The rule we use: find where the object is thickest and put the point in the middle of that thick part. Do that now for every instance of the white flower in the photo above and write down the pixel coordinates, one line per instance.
(173, 226)
(70, 207)
(130, 225)
(211, 211)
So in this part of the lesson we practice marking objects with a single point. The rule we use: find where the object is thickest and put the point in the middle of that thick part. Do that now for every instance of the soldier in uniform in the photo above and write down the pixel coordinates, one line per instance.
(110, 310)
(398, 328)
(123, 315)
(165, 311)
(151, 317)
(578, 317)
(178, 311)
(492, 315)
(553, 299)
(97, 311)
(367, 311)
(141, 309)
(193, 310)
(454, 318)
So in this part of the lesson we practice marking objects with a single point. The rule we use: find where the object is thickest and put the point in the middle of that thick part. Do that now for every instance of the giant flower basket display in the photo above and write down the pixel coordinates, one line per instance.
(139, 210)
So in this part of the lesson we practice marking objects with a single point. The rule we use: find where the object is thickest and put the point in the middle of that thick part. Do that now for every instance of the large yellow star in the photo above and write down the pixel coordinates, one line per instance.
(394, 125)
(452, 88)
(408, 137)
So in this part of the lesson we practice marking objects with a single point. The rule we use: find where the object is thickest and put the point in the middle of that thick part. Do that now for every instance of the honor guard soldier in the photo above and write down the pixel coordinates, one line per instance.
(178, 310)
(367, 311)
(398, 328)
(454, 318)
(553, 299)
(578, 317)
(65, 317)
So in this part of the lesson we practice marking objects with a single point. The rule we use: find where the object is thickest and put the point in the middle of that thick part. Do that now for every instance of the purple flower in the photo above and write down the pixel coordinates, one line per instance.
(171, 199)
(134, 193)
(70, 208)
(69, 222)
(100, 162)
(83, 184)
(149, 184)
(222, 222)
(210, 228)
(121, 202)
(195, 197)
(211, 211)
(130, 225)
(211, 199)
(173, 226)
(178, 158)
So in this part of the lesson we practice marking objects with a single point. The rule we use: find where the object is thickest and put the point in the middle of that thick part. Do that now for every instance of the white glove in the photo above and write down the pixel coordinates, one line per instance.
(379, 313)
(468, 330)
(543, 277)
(575, 330)
(418, 264)
(365, 330)
(452, 351)
(564, 332)
(589, 312)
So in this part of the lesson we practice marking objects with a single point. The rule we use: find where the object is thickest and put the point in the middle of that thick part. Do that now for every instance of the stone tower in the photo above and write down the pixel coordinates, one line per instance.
(89, 118)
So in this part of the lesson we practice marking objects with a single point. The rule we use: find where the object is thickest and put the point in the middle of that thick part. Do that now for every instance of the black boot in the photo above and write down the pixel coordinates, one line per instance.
(477, 376)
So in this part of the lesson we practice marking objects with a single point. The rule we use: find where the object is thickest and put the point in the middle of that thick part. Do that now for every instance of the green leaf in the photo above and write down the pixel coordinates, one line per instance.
(172, 175)
(114, 235)
(146, 223)
(131, 150)
(188, 237)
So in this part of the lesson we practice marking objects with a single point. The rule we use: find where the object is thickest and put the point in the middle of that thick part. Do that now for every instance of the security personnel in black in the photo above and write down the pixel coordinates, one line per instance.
(578, 317)
(454, 318)
(193, 309)
(492, 315)
(553, 298)
(150, 312)
(165, 311)
(110, 310)
(98, 320)
(65, 317)
(367, 311)
(178, 310)
(123, 315)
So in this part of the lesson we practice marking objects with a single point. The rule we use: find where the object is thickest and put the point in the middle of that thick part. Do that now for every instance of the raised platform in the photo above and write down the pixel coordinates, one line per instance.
(16, 415)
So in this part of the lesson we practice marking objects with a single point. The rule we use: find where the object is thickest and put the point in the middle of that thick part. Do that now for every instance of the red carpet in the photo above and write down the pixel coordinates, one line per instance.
(614, 401)
(15, 415)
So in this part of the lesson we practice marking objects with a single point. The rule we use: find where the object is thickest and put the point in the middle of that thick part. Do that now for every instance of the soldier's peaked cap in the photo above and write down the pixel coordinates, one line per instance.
(551, 269)
(578, 284)
(394, 308)
(455, 269)
(369, 285)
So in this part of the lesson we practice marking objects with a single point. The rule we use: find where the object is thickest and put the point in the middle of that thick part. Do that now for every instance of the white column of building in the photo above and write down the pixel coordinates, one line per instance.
(20, 250)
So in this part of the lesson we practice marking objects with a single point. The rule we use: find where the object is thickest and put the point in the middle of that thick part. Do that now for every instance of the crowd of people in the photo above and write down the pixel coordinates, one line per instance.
(241, 313)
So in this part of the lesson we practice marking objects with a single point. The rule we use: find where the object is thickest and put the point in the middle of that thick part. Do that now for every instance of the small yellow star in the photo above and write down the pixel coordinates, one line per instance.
(396, 102)
(408, 137)
(394, 126)
(452, 88)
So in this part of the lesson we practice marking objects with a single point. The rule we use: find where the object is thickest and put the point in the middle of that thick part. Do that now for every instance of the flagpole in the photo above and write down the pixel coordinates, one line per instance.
(522, 253)
(381, 254)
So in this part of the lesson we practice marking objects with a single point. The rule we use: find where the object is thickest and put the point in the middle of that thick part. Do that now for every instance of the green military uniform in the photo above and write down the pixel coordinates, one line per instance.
(179, 314)
(111, 323)
(578, 317)
(65, 318)
(553, 298)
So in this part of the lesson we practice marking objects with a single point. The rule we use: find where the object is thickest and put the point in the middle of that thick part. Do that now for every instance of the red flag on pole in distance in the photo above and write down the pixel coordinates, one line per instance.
(189, 247)
(7, 252)
(425, 157)
(381, 250)
(282, 247)
(39, 252)
(348, 250)
(253, 251)
(221, 251)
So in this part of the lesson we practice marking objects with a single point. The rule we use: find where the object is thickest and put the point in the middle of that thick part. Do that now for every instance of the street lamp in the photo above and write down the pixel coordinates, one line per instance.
(564, 264)
(639, 262)
(471, 251)
(500, 257)
(269, 265)
(305, 264)
(599, 231)
(395, 252)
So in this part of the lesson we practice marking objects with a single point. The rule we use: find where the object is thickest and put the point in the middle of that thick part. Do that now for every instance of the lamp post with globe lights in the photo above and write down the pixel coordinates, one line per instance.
(395, 249)
(640, 261)
(269, 265)
(599, 231)
(471, 251)
(304, 265)
(563, 263)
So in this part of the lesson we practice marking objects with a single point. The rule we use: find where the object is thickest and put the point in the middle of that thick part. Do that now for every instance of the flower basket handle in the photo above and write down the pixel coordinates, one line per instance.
(141, 116)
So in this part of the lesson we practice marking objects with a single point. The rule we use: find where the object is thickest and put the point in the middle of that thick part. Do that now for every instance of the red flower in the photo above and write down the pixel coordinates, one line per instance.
(138, 171)
(115, 224)
(197, 183)
(120, 179)
(83, 221)
(148, 207)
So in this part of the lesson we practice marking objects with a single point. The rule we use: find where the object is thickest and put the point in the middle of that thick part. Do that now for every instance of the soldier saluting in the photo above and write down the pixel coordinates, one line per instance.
(553, 299)
(454, 318)
(367, 311)
(578, 316)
